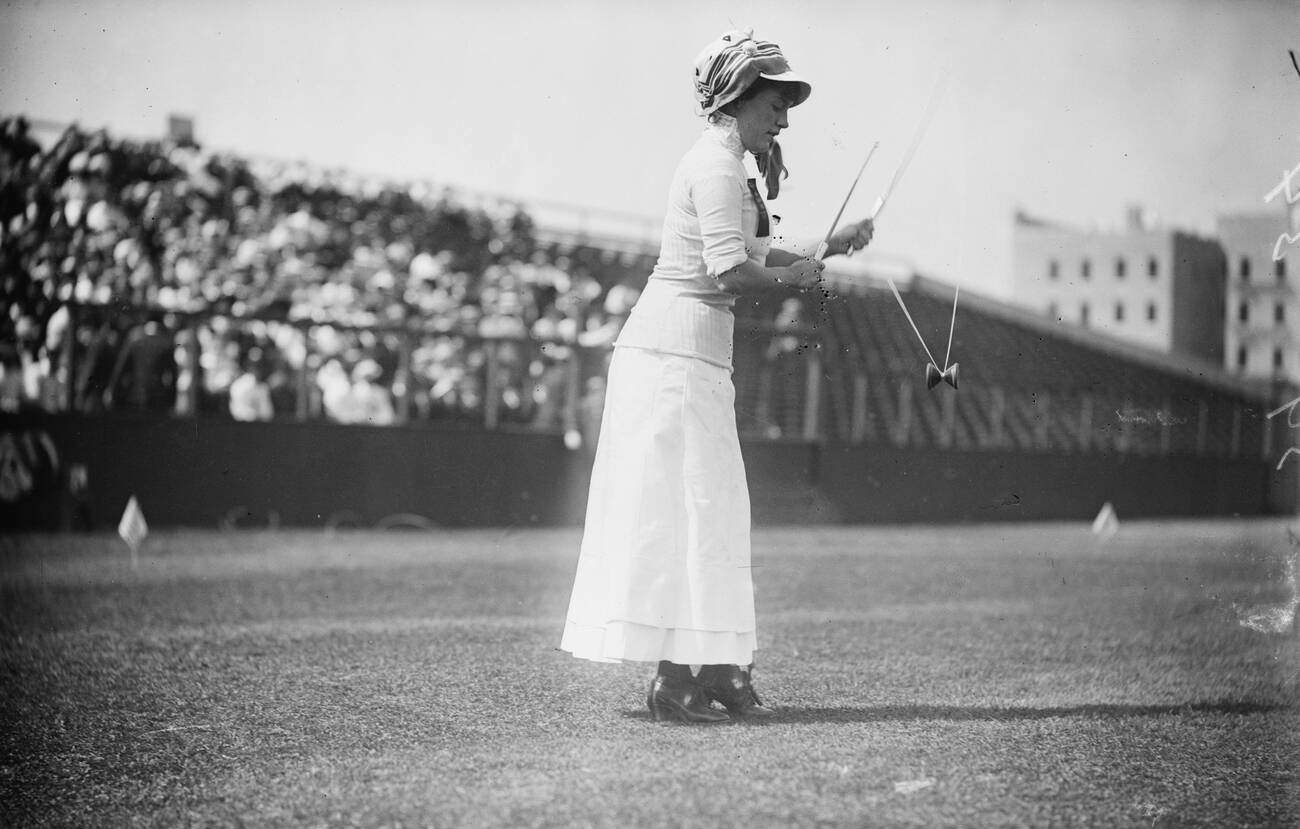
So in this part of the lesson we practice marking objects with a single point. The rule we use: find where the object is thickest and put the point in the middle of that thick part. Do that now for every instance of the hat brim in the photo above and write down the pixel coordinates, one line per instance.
(805, 88)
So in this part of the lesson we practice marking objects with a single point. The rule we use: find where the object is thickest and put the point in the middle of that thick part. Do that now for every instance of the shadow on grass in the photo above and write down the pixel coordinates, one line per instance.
(787, 715)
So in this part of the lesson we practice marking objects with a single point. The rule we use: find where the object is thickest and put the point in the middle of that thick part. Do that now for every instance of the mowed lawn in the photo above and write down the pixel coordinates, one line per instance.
(988, 675)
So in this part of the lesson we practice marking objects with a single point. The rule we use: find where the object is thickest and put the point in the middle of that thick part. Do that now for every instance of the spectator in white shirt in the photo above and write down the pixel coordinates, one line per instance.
(250, 394)
(371, 402)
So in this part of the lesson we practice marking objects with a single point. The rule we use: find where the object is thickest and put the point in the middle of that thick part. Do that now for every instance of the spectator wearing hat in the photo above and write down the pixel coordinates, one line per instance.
(336, 393)
(663, 574)
(371, 402)
(96, 349)
(250, 394)
(144, 378)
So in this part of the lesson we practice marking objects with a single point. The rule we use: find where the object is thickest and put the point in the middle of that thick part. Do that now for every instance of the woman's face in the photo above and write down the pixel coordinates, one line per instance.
(761, 118)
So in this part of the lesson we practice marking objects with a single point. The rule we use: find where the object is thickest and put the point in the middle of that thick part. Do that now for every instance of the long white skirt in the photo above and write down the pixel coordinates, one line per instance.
(664, 568)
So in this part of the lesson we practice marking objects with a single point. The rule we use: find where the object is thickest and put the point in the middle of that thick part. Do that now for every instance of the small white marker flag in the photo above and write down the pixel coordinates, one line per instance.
(912, 786)
(1106, 523)
(132, 527)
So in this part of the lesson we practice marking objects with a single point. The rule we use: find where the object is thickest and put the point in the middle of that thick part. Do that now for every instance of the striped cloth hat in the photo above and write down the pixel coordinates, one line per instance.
(730, 64)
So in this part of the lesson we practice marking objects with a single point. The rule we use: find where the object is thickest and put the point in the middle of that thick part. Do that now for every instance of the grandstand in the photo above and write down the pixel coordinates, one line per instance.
(452, 311)
(1027, 383)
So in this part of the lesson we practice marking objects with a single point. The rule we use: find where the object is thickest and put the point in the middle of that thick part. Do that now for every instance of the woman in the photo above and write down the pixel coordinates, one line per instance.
(664, 569)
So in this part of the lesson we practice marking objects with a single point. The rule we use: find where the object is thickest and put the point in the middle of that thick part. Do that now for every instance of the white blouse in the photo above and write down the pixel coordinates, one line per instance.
(710, 227)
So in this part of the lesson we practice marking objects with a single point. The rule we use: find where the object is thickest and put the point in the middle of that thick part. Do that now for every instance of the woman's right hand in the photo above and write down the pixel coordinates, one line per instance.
(804, 273)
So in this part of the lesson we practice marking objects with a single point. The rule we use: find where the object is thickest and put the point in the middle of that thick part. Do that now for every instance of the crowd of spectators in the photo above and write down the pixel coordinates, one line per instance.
(161, 276)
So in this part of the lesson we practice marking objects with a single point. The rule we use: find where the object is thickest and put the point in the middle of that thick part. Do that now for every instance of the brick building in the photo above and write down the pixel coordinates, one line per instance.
(1154, 286)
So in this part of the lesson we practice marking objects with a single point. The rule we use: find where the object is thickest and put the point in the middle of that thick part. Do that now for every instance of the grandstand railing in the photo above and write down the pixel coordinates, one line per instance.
(899, 411)
(548, 384)
(784, 390)
(488, 363)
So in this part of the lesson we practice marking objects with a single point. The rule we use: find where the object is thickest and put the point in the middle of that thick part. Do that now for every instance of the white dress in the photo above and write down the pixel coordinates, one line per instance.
(664, 567)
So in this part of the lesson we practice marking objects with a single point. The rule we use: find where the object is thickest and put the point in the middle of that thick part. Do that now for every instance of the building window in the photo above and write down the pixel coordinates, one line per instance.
(1083, 314)
(1120, 268)
(1243, 313)
(1086, 269)
(1277, 358)
(1241, 357)
(1153, 267)
(1244, 271)
(1119, 312)
(1053, 269)
(1279, 269)
(1151, 311)
(1279, 313)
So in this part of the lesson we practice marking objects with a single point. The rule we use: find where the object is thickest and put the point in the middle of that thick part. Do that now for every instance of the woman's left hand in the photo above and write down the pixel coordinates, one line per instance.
(853, 237)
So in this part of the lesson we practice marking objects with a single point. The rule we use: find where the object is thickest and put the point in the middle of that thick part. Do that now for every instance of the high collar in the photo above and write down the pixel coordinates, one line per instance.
(725, 129)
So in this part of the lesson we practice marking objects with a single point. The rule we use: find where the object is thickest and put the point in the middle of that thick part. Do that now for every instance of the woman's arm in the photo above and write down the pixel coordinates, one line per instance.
(844, 241)
(778, 258)
(751, 278)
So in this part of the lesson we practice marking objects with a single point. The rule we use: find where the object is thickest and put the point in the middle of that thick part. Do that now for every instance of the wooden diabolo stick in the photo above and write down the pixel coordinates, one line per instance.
(821, 249)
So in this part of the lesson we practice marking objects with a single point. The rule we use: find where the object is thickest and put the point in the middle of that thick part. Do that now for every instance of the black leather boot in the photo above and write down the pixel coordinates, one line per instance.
(675, 695)
(731, 686)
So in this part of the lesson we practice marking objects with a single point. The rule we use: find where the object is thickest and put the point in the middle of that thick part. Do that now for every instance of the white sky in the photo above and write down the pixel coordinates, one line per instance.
(1069, 110)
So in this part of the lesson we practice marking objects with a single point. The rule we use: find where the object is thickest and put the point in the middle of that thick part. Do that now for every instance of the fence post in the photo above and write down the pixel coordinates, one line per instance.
(1166, 427)
(491, 398)
(763, 403)
(1202, 426)
(903, 416)
(1085, 422)
(859, 426)
(304, 408)
(404, 376)
(572, 389)
(997, 415)
(1043, 435)
(949, 420)
(196, 374)
(69, 359)
(813, 393)
(1266, 442)
(1235, 449)
(1126, 415)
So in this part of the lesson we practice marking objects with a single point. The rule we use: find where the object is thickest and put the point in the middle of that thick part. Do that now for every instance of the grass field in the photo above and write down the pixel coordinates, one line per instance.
(1007, 675)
